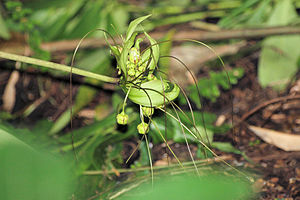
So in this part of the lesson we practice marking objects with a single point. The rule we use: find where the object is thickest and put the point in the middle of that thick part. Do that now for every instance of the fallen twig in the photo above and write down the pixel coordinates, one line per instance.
(264, 104)
(70, 45)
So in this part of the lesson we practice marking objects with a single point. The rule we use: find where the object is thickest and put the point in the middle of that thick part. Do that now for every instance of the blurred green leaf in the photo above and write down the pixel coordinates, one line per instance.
(260, 15)
(209, 87)
(97, 62)
(87, 131)
(174, 130)
(278, 60)
(162, 126)
(236, 15)
(27, 174)
(192, 187)
(91, 14)
(165, 49)
(119, 18)
(225, 147)
(53, 20)
(4, 33)
(37, 136)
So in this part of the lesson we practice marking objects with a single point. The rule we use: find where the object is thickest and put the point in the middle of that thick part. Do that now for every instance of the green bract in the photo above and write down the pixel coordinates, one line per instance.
(153, 93)
(137, 70)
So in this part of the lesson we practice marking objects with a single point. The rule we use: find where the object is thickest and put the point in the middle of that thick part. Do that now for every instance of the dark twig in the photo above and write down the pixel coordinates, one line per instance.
(264, 104)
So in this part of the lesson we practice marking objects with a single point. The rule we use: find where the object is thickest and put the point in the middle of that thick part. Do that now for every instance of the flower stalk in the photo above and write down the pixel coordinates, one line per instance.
(57, 66)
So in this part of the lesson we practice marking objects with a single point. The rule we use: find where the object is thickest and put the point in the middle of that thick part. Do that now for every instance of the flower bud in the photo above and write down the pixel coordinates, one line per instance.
(142, 68)
(143, 128)
(151, 77)
(122, 118)
(131, 72)
(134, 55)
(148, 111)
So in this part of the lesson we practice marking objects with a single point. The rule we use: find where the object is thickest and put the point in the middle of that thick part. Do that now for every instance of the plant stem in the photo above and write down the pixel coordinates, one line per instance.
(56, 66)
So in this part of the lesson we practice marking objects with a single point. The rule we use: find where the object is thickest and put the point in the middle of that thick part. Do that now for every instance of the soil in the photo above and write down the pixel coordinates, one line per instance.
(280, 170)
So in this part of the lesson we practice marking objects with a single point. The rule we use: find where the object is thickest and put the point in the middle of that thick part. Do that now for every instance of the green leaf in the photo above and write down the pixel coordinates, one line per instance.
(53, 21)
(189, 186)
(278, 60)
(35, 174)
(235, 15)
(89, 130)
(154, 52)
(165, 49)
(90, 13)
(225, 147)
(132, 26)
(97, 62)
(4, 33)
(120, 19)
(209, 87)
(161, 126)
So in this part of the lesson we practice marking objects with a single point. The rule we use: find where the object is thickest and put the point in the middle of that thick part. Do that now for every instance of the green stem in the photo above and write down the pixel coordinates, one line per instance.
(56, 66)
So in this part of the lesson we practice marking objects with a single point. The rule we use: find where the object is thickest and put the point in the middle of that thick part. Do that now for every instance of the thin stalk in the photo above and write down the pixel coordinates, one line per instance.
(205, 146)
(56, 66)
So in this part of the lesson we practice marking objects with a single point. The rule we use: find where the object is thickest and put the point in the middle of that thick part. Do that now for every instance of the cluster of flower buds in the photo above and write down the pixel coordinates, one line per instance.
(137, 75)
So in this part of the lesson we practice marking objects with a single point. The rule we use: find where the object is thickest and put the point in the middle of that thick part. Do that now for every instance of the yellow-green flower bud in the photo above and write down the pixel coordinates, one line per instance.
(134, 55)
(148, 111)
(151, 77)
(131, 72)
(122, 118)
(143, 128)
(142, 68)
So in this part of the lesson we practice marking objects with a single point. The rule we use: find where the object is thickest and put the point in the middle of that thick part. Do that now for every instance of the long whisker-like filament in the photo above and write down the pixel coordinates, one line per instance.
(150, 159)
(211, 151)
(165, 141)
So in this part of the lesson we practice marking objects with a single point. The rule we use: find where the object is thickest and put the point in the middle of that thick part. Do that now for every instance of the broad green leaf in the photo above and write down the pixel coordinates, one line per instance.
(36, 137)
(27, 174)
(132, 26)
(278, 60)
(7, 139)
(189, 186)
